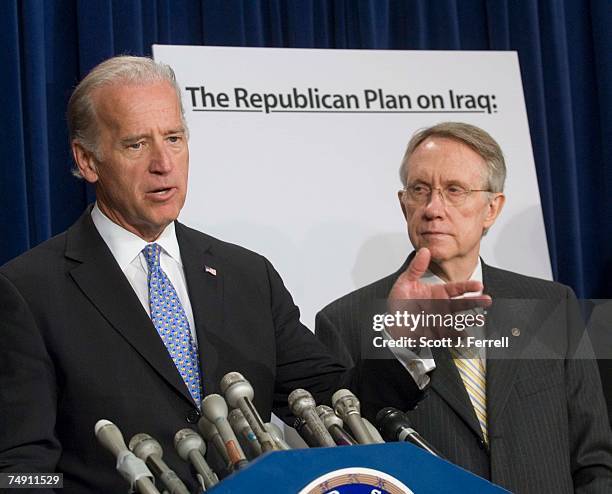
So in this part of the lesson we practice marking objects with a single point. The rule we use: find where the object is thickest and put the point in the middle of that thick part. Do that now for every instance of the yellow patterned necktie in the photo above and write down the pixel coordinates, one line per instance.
(473, 374)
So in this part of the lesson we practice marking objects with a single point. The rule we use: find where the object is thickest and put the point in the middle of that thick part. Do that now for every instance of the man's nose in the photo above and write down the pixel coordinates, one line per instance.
(436, 205)
(160, 158)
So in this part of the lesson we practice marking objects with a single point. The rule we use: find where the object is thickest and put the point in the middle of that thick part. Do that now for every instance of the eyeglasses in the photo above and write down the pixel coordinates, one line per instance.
(452, 195)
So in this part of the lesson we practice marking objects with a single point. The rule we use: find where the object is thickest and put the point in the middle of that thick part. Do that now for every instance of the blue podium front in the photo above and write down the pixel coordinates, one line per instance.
(392, 468)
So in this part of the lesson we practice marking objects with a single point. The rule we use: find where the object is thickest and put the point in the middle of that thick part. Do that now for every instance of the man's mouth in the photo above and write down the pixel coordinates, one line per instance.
(435, 236)
(161, 193)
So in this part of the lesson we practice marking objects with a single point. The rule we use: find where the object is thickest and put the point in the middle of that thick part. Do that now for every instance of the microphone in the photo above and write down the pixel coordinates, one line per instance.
(243, 430)
(211, 434)
(239, 394)
(277, 435)
(376, 437)
(131, 468)
(214, 409)
(334, 424)
(191, 448)
(303, 430)
(150, 451)
(302, 404)
(347, 408)
(395, 426)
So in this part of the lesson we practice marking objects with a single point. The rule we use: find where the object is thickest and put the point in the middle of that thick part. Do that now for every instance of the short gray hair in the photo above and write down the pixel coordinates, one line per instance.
(124, 69)
(474, 137)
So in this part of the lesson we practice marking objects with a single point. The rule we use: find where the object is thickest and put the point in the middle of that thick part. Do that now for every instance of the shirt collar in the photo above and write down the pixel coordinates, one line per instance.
(126, 246)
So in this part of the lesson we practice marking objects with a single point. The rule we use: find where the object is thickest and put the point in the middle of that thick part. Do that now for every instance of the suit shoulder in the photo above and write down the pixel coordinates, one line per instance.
(519, 285)
(38, 259)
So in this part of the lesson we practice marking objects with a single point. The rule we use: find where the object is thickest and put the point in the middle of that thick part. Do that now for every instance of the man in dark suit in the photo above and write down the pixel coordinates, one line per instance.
(530, 417)
(129, 315)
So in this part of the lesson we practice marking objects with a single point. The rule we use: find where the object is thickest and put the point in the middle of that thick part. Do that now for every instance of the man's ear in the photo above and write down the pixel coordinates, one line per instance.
(85, 162)
(400, 194)
(494, 208)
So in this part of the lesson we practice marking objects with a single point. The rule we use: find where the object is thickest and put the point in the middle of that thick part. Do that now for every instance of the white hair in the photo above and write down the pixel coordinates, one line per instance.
(81, 114)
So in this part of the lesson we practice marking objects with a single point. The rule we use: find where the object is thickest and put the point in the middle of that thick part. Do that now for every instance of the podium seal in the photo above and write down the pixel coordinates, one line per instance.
(356, 480)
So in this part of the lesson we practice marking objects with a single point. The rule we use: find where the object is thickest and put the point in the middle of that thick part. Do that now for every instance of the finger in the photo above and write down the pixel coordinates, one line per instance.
(419, 264)
(460, 288)
(467, 303)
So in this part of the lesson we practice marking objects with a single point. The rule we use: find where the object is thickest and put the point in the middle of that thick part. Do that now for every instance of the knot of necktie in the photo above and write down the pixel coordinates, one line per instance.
(151, 253)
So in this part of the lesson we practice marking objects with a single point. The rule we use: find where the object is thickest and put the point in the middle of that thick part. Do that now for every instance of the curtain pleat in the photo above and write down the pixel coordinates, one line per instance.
(15, 234)
(35, 111)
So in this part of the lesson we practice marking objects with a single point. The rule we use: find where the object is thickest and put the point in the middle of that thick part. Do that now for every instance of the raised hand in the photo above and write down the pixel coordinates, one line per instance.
(410, 287)
(411, 294)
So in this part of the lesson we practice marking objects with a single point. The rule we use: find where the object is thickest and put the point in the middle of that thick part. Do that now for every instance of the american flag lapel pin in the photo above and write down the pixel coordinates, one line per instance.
(210, 270)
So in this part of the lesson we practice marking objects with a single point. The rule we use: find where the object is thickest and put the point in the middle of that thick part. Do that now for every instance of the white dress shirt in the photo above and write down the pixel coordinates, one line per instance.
(420, 365)
(126, 248)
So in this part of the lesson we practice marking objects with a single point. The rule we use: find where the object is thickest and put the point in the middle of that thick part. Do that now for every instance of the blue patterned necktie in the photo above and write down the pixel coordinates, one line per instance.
(171, 322)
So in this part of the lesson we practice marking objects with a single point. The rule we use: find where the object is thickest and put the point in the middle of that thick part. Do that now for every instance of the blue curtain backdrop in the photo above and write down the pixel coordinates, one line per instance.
(565, 51)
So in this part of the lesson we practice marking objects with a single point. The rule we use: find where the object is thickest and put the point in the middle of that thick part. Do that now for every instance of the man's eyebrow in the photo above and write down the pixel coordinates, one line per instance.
(137, 137)
(133, 138)
(458, 181)
(178, 130)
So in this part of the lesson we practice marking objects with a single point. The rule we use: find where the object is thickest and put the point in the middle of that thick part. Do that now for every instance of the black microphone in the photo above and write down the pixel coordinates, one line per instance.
(395, 426)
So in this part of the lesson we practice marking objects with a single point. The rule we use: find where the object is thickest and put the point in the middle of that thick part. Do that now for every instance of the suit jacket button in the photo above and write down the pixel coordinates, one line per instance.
(193, 416)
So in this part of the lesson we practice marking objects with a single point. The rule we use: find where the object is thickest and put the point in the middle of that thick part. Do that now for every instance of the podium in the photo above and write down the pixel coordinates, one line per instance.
(392, 468)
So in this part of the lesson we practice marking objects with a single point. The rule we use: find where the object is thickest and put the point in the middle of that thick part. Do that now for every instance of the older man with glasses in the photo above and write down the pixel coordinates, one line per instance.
(531, 425)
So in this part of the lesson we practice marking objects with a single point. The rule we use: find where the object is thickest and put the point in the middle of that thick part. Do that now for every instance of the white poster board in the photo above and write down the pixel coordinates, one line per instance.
(295, 154)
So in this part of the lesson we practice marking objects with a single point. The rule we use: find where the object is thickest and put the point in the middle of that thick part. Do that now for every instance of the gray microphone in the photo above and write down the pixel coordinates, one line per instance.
(302, 405)
(245, 434)
(239, 394)
(131, 468)
(277, 435)
(346, 406)
(214, 408)
(211, 434)
(373, 431)
(301, 427)
(150, 451)
(191, 448)
(334, 425)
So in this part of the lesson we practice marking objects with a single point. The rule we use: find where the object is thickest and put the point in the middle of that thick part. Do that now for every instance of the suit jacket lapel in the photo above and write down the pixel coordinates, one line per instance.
(447, 383)
(99, 277)
(205, 285)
